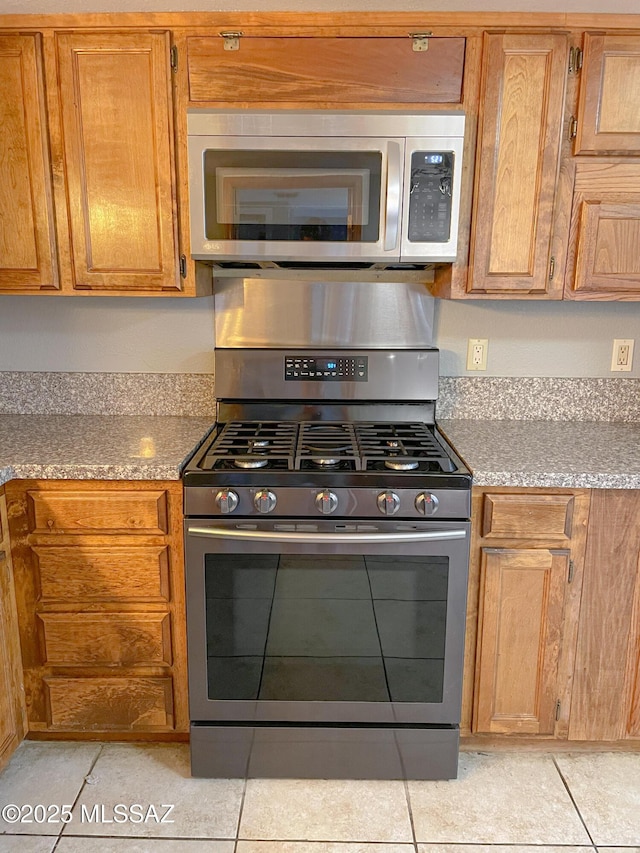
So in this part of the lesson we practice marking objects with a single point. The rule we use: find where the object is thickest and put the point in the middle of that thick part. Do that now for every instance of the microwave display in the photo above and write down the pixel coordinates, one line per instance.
(264, 195)
(430, 199)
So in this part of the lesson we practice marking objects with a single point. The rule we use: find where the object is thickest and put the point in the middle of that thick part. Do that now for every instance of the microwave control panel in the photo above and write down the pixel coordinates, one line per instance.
(326, 368)
(430, 196)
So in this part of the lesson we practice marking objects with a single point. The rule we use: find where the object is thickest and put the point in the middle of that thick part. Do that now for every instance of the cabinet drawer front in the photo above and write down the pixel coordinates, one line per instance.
(325, 70)
(78, 573)
(524, 516)
(110, 704)
(82, 512)
(107, 639)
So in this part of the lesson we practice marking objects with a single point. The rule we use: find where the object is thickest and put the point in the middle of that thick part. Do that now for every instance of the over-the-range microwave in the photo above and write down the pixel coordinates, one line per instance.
(325, 187)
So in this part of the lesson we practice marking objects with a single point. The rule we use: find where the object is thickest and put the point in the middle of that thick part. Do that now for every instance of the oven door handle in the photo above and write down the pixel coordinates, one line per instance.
(327, 538)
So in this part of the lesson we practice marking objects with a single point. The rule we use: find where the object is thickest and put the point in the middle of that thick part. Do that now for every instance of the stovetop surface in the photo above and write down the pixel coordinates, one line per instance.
(346, 450)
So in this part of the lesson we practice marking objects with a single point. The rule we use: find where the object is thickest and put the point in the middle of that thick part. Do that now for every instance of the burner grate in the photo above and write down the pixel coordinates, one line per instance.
(327, 447)
(251, 445)
(400, 447)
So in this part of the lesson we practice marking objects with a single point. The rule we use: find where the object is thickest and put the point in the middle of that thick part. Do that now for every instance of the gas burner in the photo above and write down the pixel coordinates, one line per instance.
(401, 464)
(251, 463)
(322, 462)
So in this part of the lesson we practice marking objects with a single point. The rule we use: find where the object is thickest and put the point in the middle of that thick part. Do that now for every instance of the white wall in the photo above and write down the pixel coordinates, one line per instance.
(122, 335)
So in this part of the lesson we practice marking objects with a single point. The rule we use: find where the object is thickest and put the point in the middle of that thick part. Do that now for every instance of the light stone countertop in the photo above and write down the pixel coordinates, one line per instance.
(97, 447)
(567, 454)
(564, 454)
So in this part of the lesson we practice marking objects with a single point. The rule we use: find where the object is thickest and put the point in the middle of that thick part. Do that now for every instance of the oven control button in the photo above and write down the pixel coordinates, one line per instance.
(227, 501)
(327, 502)
(427, 503)
(388, 503)
(265, 501)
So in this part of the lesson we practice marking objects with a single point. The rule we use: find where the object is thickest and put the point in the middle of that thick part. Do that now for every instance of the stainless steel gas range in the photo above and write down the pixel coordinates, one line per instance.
(326, 537)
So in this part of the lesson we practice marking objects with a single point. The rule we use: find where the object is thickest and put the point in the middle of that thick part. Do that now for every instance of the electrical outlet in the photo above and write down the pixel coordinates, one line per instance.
(477, 354)
(622, 355)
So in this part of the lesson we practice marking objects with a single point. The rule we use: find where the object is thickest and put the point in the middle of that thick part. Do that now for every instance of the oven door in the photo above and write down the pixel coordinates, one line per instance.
(359, 622)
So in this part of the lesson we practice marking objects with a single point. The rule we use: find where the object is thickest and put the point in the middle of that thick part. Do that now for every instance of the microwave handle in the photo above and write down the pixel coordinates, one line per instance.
(392, 218)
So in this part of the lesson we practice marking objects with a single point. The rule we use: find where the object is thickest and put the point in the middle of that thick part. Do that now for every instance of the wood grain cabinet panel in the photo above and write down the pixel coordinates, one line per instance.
(606, 692)
(106, 639)
(522, 516)
(110, 704)
(12, 706)
(609, 105)
(27, 249)
(522, 97)
(605, 227)
(102, 571)
(323, 71)
(100, 593)
(85, 512)
(520, 622)
(525, 585)
(115, 95)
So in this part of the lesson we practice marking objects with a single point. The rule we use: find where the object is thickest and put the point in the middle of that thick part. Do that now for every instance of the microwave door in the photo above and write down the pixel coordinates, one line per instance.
(296, 199)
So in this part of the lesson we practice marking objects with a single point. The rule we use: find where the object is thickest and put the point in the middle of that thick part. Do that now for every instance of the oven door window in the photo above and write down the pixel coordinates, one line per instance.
(326, 628)
(292, 195)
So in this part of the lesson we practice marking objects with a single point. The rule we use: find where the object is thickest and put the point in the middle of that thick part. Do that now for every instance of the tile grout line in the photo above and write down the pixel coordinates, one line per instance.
(242, 798)
(413, 829)
(575, 805)
(82, 787)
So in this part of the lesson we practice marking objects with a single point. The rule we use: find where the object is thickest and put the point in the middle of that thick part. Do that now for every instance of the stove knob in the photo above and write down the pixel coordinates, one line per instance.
(327, 502)
(265, 501)
(227, 501)
(388, 503)
(427, 503)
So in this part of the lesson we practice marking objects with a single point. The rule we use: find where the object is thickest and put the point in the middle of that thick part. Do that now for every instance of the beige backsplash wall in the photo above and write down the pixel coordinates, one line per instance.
(127, 335)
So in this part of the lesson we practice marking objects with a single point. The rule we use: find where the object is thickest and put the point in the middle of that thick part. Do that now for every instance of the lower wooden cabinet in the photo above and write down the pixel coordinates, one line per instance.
(606, 690)
(527, 553)
(12, 709)
(100, 591)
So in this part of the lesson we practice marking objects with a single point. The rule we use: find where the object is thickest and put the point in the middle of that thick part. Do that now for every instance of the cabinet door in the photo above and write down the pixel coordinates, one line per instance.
(12, 713)
(606, 692)
(520, 622)
(605, 226)
(523, 88)
(115, 96)
(325, 71)
(609, 106)
(27, 253)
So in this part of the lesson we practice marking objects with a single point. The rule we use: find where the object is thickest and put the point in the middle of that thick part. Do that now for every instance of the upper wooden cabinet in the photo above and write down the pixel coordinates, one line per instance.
(609, 105)
(605, 230)
(115, 97)
(318, 72)
(27, 251)
(517, 165)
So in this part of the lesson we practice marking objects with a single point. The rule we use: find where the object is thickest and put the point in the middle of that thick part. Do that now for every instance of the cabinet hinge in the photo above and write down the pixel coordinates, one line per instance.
(552, 267)
(421, 40)
(183, 266)
(231, 39)
(573, 127)
(558, 708)
(575, 60)
(174, 58)
(572, 569)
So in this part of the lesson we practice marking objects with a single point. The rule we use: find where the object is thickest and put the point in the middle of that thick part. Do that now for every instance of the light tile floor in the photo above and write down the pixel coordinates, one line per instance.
(502, 802)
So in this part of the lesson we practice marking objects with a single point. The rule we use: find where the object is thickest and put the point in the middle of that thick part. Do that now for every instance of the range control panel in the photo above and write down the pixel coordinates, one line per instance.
(323, 368)
(430, 196)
